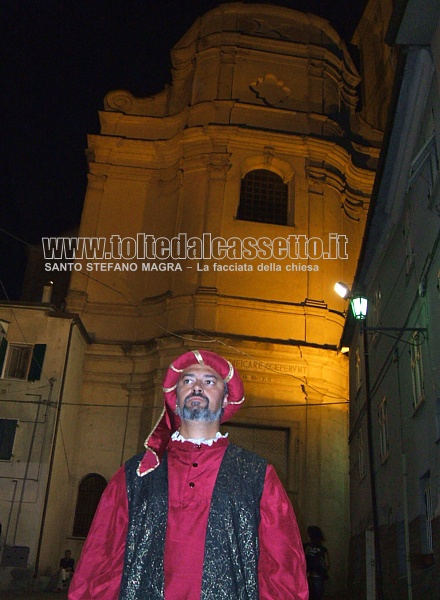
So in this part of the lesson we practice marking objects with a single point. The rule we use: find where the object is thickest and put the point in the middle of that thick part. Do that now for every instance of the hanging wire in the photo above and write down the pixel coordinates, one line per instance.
(185, 338)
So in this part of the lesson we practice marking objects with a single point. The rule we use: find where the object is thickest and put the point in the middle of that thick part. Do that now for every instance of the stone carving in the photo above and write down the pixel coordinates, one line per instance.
(273, 28)
(119, 100)
(270, 89)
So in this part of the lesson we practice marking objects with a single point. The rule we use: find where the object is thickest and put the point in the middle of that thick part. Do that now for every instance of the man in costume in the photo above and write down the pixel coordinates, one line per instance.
(195, 517)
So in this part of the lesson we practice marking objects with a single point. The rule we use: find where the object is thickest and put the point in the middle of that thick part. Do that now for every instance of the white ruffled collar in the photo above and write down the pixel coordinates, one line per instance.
(177, 437)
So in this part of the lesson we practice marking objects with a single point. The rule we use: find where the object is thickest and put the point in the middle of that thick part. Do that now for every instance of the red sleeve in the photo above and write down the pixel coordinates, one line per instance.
(99, 569)
(281, 567)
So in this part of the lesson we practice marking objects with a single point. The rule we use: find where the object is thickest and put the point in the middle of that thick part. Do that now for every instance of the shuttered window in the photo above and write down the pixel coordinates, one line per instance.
(8, 428)
(21, 361)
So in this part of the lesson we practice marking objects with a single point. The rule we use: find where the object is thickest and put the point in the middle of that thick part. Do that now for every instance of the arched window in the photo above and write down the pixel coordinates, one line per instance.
(89, 494)
(263, 198)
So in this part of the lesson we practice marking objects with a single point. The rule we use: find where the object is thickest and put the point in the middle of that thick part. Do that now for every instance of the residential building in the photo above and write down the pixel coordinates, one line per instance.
(41, 363)
(394, 352)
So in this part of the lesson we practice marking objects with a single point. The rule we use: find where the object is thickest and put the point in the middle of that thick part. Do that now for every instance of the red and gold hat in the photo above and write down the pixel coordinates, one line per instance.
(169, 422)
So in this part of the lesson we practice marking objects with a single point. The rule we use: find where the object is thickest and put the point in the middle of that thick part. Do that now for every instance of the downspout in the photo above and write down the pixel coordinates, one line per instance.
(28, 462)
(127, 414)
(373, 489)
(405, 490)
(10, 511)
(52, 455)
(406, 525)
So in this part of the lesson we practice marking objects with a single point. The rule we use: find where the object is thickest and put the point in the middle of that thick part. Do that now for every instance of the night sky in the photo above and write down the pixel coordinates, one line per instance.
(60, 58)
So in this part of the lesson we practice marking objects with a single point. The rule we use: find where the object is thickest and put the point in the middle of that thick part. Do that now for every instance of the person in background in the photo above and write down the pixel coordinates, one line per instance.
(195, 516)
(318, 562)
(67, 567)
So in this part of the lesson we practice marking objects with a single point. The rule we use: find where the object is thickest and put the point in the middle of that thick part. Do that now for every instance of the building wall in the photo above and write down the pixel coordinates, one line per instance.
(400, 276)
(57, 519)
(254, 87)
(26, 476)
(378, 62)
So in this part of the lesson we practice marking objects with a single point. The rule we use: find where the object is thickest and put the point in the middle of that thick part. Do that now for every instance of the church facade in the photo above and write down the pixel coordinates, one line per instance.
(219, 214)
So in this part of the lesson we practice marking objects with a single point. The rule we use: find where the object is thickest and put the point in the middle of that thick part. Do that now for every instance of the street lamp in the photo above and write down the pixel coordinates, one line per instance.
(359, 306)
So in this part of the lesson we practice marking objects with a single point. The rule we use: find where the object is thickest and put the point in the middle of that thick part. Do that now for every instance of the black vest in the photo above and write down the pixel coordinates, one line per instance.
(230, 567)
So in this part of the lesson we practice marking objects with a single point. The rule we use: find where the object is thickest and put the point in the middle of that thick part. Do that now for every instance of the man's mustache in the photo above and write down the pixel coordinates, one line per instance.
(196, 395)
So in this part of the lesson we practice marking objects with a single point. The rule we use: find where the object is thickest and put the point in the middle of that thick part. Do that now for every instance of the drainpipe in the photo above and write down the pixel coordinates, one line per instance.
(14, 481)
(28, 463)
(373, 490)
(406, 526)
(52, 455)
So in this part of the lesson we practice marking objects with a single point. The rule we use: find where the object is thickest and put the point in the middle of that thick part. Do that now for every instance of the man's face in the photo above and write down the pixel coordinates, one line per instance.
(200, 394)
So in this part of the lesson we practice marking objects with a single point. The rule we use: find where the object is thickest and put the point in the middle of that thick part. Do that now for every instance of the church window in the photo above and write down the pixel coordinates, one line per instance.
(89, 493)
(263, 198)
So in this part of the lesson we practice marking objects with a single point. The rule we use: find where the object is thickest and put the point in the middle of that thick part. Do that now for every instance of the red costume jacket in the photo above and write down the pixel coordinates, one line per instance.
(192, 471)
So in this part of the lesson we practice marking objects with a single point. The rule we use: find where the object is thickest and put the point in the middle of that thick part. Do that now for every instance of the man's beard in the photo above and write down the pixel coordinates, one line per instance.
(198, 413)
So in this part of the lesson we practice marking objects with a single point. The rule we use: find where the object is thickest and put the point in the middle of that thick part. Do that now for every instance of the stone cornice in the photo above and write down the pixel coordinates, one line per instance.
(151, 307)
(197, 147)
(229, 113)
(236, 32)
(142, 125)
(261, 25)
